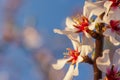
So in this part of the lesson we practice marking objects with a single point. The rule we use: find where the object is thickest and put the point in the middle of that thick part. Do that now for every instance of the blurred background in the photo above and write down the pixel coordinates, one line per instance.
(28, 45)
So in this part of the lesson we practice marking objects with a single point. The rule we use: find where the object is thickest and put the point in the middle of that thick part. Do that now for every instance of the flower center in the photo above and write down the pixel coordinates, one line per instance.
(73, 54)
(115, 3)
(113, 73)
(81, 23)
(115, 25)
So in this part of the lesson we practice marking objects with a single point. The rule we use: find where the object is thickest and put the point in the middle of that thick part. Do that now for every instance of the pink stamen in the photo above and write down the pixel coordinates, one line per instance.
(115, 3)
(112, 73)
(84, 23)
(74, 54)
(115, 25)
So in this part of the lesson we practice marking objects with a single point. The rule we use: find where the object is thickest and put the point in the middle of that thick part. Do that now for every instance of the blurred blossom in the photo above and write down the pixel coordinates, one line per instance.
(12, 5)
(10, 33)
(108, 65)
(10, 8)
(45, 59)
(15, 59)
(4, 75)
(31, 38)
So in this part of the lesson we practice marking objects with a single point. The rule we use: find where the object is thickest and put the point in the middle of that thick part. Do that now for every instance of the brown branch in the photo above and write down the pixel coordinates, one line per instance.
(97, 34)
(98, 52)
(94, 34)
(87, 59)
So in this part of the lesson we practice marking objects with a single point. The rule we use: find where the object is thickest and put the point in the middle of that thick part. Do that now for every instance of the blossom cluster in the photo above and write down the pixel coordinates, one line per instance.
(80, 29)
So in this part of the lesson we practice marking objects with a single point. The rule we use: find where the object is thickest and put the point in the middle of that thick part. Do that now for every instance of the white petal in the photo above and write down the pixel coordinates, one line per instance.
(87, 40)
(61, 31)
(76, 70)
(107, 32)
(107, 5)
(86, 35)
(116, 58)
(74, 37)
(70, 23)
(89, 6)
(114, 41)
(92, 26)
(60, 64)
(80, 59)
(112, 36)
(97, 11)
(116, 14)
(113, 14)
(69, 74)
(75, 40)
(87, 44)
(106, 19)
(111, 47)
(103, 62)
(85, 50)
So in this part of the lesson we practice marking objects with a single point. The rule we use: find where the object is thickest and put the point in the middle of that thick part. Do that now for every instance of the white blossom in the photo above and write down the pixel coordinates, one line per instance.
(105, 64)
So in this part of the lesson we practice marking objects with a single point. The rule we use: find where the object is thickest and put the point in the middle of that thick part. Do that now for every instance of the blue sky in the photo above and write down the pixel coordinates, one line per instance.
(50, 14)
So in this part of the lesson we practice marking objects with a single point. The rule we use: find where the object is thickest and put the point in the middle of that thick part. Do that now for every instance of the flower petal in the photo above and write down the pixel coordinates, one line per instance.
(70, 23)
(112, 36)
(87, 40)
(69, 74)
(76, 70)
(87, 44)
(117, 14)
(113, 14)
(104, 61)
(114, 41)
(80, 59)
(86, 35)
(62, 31)
(74, 37)
(92, 26)
(111, 47)
(107, 5)
(89, 6)
(116, 58)
(85, 50)
(60, 64)
(97, 11)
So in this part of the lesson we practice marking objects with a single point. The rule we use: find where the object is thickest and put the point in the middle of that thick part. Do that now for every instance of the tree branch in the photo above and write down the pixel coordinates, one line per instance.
(98, 52)
(87, 59)
(94, 34)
